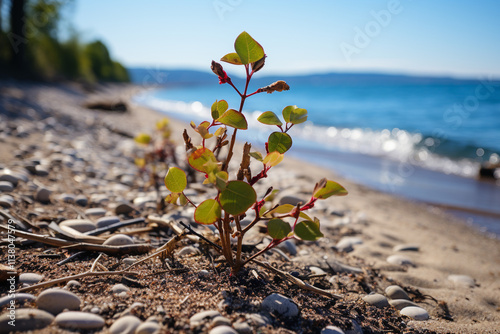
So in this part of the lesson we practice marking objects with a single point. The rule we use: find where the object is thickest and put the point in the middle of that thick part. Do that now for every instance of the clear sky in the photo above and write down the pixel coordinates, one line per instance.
(459, 38)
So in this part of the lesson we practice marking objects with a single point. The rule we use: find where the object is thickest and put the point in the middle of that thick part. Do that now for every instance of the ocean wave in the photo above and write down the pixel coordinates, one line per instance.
(394, 144)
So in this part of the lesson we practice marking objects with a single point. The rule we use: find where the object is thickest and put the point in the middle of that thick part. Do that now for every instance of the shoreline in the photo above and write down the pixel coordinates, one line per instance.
(446, 245)
(469, 199)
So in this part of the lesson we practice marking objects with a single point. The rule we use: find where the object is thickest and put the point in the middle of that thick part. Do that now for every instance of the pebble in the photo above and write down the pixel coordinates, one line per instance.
(222, 330)
(81, 200)
(79, 320)
(41, 171)
(10, 176)
(43, 195)
(220, 321)
(189, 251)
(56, 300)
(396, 292)
(203, 273)
(332, 330)
(317, 270)
(346, 244)
(148, 327)
(289, 247)
(124, 209)
(406, 248)
(401, 303)
(242, 327)
(81, 225)
(129, 260)
(400, 260)
(125, 325)
(377, 300)
(6, 201)
(462, 280)
(67, 198)
(258, 320)
(73, 284)
(117, 288)
(5, 300)
(30, 278)
(415, 312)
(119, 240)
(338, 267)
(27, 319)
(95, 212)
(277, 303)
(6, 186)
(200, 317)
(106, 221)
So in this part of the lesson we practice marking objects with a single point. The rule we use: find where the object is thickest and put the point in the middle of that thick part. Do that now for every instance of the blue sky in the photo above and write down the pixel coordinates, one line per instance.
(458, 38)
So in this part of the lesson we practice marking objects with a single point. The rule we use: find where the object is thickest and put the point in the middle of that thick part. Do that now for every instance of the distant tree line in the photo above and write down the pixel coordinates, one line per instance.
(30, 46)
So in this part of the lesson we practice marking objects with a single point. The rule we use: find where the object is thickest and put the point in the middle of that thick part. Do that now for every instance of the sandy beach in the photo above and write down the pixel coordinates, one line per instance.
(449, 269)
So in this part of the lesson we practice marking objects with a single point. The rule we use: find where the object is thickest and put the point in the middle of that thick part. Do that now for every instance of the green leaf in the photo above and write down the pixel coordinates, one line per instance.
(221, 180)
(327, 188)
(308, 230)
(234, 119)
(248, 49)
(280, 142)
(287, 208)
(172, 198)
(200, 158)
(269, 118)
(143, 138)
(237, 198)
(232, 58)
(208, 212)
(256, 155)
(278, 229)
(298, 116)
(175, 180)
(273, 158)
(218, 108)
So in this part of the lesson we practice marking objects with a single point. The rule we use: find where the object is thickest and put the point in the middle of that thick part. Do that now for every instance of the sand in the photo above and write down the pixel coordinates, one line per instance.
(446, 245)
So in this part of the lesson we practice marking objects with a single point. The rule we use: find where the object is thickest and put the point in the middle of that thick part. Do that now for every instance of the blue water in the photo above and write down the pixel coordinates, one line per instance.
(396, 131)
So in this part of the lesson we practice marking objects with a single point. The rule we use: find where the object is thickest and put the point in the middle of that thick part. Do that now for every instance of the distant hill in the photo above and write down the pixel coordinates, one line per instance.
(166, 77)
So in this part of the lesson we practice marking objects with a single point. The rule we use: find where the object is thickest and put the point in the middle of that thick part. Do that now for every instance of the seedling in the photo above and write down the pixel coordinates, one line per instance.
(236, 196)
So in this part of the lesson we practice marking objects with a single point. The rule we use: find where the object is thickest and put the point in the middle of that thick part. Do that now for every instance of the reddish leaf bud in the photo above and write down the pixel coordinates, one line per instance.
(259, 64)
(219, 71)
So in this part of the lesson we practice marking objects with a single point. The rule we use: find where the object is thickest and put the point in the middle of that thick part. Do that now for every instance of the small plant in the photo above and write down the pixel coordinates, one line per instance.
(237, 196)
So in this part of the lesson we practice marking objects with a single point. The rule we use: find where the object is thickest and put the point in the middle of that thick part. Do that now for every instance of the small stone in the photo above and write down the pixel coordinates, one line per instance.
(95, 212)
(148, 327)
(117, 288)
(106, 221)
(27, 319)
(242, 327)
(462, 280)
(401, 303)
(81, 200)
(203, 273)
(338, 267)
(125, 325)
(17, 297)
(10, 176)
(289, 247)
(119, 240)
(332, 330)
(415, 312)
(189, 251)
(396, 292)
(222, 330)
(6, 201)
(43, 195)
(81, 225)
(317, 270)
(281, 305)
(258, 320)
(377, 300)
(406, 248)
(30, 278)
(399, 260)
(56, 300)
(6, 186)
(356, 328)
(67, 198)
(346, 244)
(220, 321)
(41, 171)
(200, 317)
(73, 284)
(79, 320)
(124, 209)
(129, 260)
